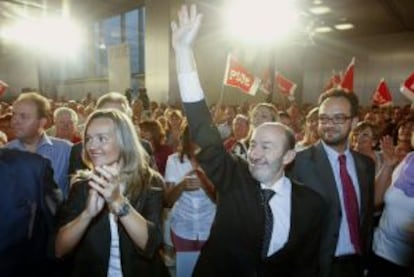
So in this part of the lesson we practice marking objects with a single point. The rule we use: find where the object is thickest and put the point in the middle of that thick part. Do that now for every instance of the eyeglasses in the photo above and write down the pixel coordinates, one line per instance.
(336, 119)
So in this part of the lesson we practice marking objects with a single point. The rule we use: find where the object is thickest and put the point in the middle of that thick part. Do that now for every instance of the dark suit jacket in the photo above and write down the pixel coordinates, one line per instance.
(28, 200)
(312, 167)
(236, 237)
(91, 255)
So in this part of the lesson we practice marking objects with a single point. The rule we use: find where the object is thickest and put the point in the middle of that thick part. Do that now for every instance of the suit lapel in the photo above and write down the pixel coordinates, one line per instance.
(363, 183)
(324, 170)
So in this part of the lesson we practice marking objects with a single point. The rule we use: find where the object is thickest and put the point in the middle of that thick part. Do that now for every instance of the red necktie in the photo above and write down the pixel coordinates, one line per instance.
(351, 204)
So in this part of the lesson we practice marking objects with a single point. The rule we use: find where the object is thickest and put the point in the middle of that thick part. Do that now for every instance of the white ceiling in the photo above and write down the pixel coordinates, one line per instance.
(370, 17)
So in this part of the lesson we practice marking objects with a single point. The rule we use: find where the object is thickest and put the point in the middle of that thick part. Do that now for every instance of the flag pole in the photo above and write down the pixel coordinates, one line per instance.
(226, 69)
(272, 69)
(221, 93)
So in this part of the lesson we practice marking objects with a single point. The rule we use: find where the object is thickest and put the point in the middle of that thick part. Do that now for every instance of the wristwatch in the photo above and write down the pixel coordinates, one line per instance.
(122, 210)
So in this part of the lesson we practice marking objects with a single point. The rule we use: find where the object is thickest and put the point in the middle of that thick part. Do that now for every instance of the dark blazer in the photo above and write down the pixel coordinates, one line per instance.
(236, 237)
(312, 167)
(28, 200)
(91, 256)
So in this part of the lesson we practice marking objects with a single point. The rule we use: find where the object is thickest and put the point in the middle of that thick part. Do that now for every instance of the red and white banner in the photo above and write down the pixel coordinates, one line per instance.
(407, 88)
(347, 81)
(382, 95)
(237, 76)
(286, 86)
(3, 87)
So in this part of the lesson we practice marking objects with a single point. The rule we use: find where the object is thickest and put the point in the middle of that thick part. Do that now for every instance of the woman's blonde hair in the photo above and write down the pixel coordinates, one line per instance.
(135, 171)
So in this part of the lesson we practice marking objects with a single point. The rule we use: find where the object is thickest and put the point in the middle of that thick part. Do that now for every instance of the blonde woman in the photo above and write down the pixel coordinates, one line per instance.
(110, 223)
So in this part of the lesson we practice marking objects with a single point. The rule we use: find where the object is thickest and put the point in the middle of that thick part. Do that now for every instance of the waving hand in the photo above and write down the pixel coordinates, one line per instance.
(185, 31)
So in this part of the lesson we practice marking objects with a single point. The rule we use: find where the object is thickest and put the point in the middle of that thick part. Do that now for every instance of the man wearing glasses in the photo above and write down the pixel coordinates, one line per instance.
(346, 180)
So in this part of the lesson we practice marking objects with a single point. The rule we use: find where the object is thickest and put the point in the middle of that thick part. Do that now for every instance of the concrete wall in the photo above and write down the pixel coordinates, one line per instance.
(18, 68)
(77, 89)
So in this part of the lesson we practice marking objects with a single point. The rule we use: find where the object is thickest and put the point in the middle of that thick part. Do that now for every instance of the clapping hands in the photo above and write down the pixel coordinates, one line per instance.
(105, 188)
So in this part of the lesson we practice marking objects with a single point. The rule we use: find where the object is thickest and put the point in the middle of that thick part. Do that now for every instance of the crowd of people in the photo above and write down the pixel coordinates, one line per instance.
(118, 186)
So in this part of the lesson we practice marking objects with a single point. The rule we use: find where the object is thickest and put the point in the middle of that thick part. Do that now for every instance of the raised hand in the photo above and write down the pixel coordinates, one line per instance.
(185, 31)
(388, 152)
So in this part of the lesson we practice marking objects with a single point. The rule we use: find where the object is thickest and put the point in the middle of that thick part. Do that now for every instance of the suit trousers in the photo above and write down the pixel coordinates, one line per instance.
(347, 266)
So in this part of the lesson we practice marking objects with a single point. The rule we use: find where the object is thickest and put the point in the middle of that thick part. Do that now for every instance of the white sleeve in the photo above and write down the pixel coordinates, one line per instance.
(190, 88)
(171, 170)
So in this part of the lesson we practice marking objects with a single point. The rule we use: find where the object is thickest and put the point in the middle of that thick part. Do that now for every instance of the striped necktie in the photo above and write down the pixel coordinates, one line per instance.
(267, 195)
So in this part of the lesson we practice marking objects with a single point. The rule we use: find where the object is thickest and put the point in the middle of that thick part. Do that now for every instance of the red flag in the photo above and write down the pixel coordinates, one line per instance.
(286, 86)
(407, 88)
(237, 76)
(347, 82)
(3, 87)
(382, 95)
(334, 81)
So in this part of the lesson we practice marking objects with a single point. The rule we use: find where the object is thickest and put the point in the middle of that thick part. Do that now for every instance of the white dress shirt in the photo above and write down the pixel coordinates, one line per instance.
(190, 88)
(280, 204)
(344, 245)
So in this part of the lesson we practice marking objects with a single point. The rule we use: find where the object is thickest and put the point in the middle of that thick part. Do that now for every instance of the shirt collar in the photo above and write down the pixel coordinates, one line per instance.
(44, 139)
(280, 187)
(332, 154)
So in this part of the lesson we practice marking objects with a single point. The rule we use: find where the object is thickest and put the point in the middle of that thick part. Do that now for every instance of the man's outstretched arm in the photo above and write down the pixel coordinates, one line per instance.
(184, 33)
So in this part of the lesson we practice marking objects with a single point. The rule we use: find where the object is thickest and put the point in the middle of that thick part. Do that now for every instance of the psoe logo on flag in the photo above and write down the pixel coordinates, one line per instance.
(240, 78)
(382, 95)
(237, 76)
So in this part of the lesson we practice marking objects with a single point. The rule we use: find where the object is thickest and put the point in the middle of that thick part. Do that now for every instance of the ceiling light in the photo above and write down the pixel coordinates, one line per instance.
(344, 26)
(317, 2)
(271, 21)
(320, 10)
(323, 29)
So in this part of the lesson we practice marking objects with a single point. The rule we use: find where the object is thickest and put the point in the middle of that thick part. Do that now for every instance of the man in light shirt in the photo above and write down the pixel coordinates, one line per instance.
(250, 236)
(30, 116)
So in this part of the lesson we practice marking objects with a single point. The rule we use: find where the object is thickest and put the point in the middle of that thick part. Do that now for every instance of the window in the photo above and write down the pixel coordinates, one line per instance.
(123, 28)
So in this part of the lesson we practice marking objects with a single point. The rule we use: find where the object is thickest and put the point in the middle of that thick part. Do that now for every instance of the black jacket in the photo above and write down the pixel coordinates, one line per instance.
(235, 242)
(91, 256)
(29, 198)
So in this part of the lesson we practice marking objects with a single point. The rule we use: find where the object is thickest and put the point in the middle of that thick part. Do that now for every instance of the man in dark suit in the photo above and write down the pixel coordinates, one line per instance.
(250, 235)
(28, 201)
(325, 168)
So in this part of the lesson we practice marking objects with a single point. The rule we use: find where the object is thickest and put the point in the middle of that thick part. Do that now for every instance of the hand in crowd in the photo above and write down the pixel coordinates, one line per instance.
(94, 204)
(191, 182)
(184, 33)
(388, 151)
(105, 181)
